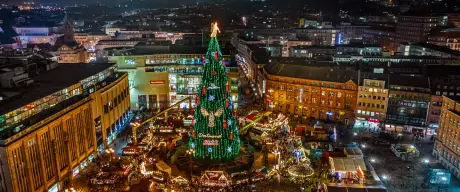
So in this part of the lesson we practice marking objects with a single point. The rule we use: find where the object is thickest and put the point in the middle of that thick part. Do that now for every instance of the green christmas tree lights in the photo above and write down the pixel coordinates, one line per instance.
(215, 133)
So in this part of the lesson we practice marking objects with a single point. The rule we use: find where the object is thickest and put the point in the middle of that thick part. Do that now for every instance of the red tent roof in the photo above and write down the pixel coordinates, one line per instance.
(251, 117)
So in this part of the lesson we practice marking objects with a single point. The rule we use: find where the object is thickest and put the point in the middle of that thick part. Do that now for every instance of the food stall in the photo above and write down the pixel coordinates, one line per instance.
(347, 167)
(214, 179)
(179, 180)
(130, 150)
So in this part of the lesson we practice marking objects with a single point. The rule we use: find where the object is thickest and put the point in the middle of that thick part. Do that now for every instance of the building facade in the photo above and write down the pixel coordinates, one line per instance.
(160, 80)
(89, 41)
(372, 104)
(43, 34)
(46, 143)
(408, 103)
(73, 54)
(414, 28)
(446, 38)
(447, 146)
(323, 37)
(317, 94)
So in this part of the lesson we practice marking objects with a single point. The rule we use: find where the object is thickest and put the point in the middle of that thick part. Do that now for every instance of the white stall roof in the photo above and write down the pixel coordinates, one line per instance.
(353, 152)
(347, 164)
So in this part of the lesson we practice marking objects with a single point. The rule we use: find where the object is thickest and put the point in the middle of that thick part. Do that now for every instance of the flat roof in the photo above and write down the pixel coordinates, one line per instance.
(50, 82)
(36, 118)
(409, 81)
(322, 71)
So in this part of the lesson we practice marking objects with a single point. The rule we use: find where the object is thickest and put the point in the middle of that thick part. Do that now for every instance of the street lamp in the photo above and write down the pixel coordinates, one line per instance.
(384, 177)
(426, 161)
(363, 146)
(372, 160)
(355, 134)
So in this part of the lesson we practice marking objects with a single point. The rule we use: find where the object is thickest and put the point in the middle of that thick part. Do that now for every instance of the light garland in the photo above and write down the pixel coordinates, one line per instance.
(214, 115)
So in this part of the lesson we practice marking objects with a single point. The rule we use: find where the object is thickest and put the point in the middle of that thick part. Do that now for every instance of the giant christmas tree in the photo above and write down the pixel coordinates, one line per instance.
(214, 134)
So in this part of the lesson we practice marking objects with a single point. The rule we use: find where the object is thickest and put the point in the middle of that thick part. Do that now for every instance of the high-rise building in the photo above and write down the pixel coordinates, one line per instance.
(50, 131)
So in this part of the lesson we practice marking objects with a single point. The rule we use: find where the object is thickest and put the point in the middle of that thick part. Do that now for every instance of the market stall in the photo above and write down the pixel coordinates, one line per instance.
(345, 167)
(353, 152)
(179, 180)
(130, 150)
(300, 171)
(214, 179)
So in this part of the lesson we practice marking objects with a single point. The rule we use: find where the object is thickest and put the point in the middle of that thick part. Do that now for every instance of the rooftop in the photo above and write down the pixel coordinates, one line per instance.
(409, 81)
(436, 48)
(442, 70)
(47, 114)
(48, 83)
(316, 71)
(143, 49)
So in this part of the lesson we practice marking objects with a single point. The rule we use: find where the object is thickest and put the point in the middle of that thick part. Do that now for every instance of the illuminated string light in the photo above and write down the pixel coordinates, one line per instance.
(214, 96)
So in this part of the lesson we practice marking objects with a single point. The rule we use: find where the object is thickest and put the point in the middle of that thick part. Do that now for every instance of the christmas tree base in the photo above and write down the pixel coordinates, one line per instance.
(242, 162)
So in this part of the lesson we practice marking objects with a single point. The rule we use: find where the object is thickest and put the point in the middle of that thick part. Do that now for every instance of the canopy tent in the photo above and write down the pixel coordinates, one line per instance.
(353, 152)
(340, 164)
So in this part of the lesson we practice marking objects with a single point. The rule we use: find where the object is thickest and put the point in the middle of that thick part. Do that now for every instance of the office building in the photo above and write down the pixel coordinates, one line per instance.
(162, 75)
(427, 49)
(372, 104)
(409, 98)
(320, 36)
(353, 49)
(443, 82)
(446, 38)
(310, 91)
(350, 33)
(49, 135)
(447, 145)
(414, 26)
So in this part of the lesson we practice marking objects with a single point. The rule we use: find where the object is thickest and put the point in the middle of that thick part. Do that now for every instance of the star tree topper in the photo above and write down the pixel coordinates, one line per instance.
(214, 29)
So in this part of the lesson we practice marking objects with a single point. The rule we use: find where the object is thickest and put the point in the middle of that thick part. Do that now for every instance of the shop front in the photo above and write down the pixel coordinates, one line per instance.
(394, 128)
(367, 123)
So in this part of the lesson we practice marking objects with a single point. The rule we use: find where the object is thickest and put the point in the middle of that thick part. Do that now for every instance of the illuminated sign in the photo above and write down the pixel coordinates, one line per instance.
(157, 82)
(209, 136)
(210, 142)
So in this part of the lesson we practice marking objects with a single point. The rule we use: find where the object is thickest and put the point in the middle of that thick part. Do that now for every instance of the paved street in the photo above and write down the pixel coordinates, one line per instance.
(402, 176)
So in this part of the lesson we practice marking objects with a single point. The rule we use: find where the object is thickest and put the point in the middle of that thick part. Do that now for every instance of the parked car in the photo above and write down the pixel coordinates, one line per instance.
(381, 142)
